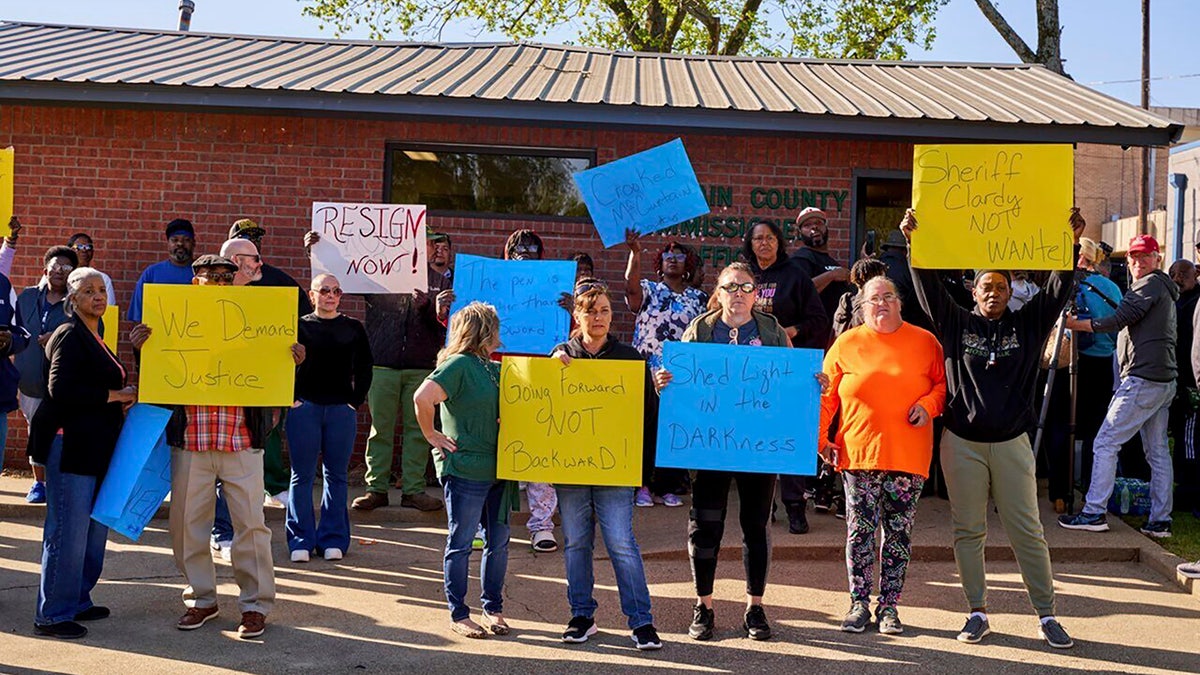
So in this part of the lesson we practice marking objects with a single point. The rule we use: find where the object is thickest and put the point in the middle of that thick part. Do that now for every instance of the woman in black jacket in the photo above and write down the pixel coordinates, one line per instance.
(87, 398)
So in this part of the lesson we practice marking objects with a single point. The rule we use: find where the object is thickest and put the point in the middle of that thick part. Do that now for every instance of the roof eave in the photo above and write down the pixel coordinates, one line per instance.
(572, 114)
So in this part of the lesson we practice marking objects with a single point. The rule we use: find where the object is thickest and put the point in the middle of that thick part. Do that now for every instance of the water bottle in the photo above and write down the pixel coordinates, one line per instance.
(1125, 499)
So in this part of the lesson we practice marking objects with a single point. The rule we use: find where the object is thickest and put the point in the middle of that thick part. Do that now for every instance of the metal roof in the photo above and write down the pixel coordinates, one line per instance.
(564, 85)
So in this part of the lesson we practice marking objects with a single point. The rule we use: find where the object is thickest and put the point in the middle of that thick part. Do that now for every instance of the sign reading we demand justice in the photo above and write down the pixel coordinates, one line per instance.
(218, 345)
(371, 248)
(575, 425)
(993, 206)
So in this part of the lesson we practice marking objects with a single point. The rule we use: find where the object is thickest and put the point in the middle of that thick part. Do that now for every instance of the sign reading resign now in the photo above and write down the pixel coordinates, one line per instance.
(371, 248)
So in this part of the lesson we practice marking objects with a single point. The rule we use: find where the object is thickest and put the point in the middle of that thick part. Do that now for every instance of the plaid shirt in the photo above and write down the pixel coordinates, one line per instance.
(216, 428)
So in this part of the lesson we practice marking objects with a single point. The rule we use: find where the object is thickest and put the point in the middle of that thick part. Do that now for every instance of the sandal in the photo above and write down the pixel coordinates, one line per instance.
(495, 624)
(469, 629)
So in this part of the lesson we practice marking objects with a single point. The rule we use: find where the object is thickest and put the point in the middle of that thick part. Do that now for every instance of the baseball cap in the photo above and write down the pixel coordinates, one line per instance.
(213, 260)
(180, 226)
(1143, 243)
(246, 229)
(809, 213)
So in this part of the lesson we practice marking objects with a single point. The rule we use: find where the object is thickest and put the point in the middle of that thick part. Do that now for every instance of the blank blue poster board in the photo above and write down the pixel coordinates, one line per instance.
(739, 408)
(139, 476)
(525, 294)
(649, 191)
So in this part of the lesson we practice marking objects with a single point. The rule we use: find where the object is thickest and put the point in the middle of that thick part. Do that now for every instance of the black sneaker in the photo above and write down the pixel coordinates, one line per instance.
(1053, 633)
(702, 623)
(975, 630)
(1084, 521)
(839, 507)
(578, 629)
(646, 638)
(797, 519)
(857, 618)
(755, 623)
(93, 613)
(1159, 529)
(63, 630)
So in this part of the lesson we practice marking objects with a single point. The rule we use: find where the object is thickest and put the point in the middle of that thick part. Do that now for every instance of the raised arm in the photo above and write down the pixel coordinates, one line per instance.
(633, 272)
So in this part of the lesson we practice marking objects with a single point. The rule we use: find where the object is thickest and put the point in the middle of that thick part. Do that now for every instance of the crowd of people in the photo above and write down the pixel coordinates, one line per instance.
(930, 387)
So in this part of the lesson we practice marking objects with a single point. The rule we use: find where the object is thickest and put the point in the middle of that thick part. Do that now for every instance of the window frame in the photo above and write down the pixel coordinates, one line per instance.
(392, 147)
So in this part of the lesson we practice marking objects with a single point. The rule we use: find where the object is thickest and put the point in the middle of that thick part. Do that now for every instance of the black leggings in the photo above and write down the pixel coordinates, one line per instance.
(706, 525)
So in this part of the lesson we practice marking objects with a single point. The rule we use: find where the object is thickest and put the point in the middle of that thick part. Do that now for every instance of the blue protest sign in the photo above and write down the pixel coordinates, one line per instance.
(647, 192)
(739, 408)
(139, 476)
(525, 294)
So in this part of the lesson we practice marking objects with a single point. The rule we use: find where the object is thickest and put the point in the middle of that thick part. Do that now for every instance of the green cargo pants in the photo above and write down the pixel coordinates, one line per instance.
(393, 389)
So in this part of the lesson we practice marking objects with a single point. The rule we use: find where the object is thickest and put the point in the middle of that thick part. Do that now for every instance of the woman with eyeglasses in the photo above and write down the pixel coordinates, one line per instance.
(85, 248)
(664, 307)
(734, 321)
(331, 384)
(887, 380)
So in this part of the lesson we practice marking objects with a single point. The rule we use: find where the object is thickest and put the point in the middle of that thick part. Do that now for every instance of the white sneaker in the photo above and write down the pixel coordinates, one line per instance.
(299, 556)
(225, 548)
(333, 554)
(278, 501)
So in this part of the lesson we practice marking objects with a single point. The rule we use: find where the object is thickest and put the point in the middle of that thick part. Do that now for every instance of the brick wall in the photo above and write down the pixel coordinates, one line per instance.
(122, 174)
(1108, 182)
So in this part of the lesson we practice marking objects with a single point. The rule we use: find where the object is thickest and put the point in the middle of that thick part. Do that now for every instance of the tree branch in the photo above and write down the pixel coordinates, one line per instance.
(1006, 31)
(1049, 36)
(673, 28)
(656, 24)
(741, 30)
(706, 19)
(627, 22)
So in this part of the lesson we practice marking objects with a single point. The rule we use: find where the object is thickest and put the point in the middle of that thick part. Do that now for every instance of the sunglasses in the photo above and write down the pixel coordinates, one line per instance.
(674, 257)
(253, 256)
(325, 290)
(57, 267)
(527, 250)
(218, 277)
(590, 286)
(82, 247)
(732, 287)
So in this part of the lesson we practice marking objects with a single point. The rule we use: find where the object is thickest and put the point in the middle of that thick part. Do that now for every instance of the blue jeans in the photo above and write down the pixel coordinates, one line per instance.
(222, 529)
(1137, 405)
(328, 431)
(470, 503)
(72, 543)
(581, 508)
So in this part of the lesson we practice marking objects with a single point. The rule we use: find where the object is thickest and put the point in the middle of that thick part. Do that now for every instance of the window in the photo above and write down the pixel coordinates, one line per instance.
(463, 180)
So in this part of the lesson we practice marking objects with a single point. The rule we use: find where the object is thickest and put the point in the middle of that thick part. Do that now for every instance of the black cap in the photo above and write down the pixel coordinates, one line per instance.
(246, 229)
(213, 260)
(180, 226)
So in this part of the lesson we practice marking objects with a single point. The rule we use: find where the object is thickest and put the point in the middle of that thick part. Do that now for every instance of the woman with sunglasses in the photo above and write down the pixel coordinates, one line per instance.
(734, 321)
(664, 308)
(331, 384)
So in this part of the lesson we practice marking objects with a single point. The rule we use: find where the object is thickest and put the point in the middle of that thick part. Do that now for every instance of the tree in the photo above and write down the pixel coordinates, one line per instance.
(1049, 44)
(863, 29)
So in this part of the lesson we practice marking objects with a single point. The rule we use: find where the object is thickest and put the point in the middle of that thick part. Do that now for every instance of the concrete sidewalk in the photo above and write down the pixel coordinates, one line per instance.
(382, 609)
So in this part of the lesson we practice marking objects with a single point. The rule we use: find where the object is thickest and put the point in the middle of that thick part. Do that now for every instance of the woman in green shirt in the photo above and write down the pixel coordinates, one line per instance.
(467, 386)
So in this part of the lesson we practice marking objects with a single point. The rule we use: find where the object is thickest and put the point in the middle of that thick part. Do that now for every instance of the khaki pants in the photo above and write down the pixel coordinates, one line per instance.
(1005, 471)
(193, 501)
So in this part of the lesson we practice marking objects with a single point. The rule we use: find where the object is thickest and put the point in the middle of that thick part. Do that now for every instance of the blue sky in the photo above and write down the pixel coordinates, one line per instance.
(1101, 38)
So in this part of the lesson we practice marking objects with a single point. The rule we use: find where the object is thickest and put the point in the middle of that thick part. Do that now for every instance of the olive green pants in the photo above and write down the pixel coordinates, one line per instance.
(392, 391)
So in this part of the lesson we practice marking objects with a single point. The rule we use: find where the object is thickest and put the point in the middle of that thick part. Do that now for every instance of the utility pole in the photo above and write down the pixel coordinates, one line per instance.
(1144, 204)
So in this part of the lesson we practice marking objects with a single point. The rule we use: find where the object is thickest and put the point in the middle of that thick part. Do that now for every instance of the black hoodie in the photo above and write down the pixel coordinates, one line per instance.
(786, 292)
(991, 364)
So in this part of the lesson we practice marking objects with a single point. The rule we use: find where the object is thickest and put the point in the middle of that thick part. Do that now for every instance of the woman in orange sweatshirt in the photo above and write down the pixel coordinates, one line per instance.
(887, 380)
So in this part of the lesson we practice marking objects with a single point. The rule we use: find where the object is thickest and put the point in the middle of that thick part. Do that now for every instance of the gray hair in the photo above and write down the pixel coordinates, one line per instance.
(75, 281)
(861, 297)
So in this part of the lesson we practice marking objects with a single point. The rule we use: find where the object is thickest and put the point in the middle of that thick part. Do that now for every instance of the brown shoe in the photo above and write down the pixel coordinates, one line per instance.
(196, 617)
(421, 502)
(370, 501)
(253, 624)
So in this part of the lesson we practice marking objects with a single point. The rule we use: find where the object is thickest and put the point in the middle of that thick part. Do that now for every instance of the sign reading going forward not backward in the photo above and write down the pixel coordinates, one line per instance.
(371, 248)
(738, 408)
(525, 294)
(993, 206)
(575, 425)
(219, 345)
(646, 192)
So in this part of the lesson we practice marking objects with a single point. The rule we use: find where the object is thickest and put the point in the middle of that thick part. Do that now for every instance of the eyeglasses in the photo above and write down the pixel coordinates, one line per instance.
(253, 256)
(527, 250)
(670, 256)
(83, 248)
(335, 292)
(732, 287)
(58, 267)
(763, 238)
(218, 277)
(885, 299)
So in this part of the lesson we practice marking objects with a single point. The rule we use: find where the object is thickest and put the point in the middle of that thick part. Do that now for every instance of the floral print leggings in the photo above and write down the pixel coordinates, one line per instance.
(874, 498)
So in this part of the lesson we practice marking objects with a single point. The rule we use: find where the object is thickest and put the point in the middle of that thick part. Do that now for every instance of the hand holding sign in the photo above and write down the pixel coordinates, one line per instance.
(370, 248)
(7, 167)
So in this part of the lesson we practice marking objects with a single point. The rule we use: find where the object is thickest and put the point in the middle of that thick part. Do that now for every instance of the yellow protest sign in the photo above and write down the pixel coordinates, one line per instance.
(112, 326)
(575, 425)
(995, 206)
(218, 345)
(7, 168)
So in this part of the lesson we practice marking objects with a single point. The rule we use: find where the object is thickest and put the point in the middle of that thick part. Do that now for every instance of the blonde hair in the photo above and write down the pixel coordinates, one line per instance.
(473, 330)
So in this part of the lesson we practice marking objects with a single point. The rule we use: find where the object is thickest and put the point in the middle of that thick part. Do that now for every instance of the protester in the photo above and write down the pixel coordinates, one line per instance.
(1023, 290)
(176, 269)
(1097, 298)
(663, 309)
(893, 252)
(1146, 354)
(585, 268)
(331, 384)
(270, 276)
(13, 339)
(887, 381)
(583, 506)
(87, 394)
(210, 444)
(466, 384)
(734, 321)
(85, 248)
(992, 357)
(849, 309)
(1183, 413)
(830, 277)
(41, 309)
(405, 334)
(786, 292)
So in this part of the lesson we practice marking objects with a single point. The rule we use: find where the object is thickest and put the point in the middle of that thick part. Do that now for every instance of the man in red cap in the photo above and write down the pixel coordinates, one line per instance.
(1146, 353)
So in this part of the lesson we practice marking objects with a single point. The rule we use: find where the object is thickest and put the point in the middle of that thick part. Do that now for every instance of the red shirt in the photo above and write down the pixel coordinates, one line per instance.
(216, 428)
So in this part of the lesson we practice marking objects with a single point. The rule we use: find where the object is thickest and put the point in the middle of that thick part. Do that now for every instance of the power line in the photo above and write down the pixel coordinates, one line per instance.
(1153, 79)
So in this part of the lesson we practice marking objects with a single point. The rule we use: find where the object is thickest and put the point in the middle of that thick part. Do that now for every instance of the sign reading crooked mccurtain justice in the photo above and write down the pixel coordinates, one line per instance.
(575, 425)
(371, 248)
(993, 206)
(218, 345)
